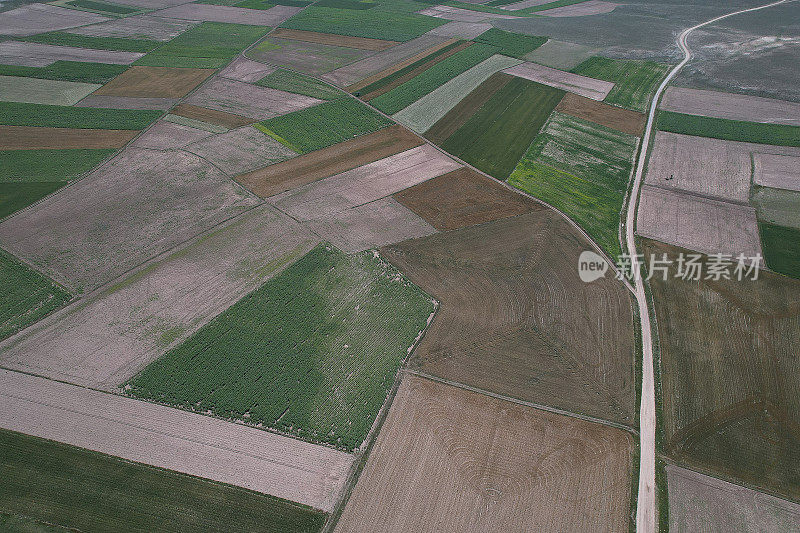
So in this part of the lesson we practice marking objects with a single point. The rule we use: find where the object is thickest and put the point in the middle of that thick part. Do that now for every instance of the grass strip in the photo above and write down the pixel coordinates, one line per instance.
(729, 130)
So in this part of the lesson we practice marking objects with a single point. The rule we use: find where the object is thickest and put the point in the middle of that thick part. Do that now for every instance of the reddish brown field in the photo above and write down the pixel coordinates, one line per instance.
(221, 118)
(414, 72)
(451, 460)
(613, 117)
(155, 82)
(30, 138)
(464, 198)
(456, 117)
(516, 319)
(330, 161)
(362, 43)
(394, 68)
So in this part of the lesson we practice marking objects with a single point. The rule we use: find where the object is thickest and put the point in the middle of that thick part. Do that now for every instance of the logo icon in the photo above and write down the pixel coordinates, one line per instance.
(591, 266)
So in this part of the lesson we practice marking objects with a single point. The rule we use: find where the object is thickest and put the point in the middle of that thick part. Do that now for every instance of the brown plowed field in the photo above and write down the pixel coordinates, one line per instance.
(414, 72)
(731, 374)
(456, 117)
(616, 118)
(451, 460)
(464, 198)
(362, 43)
(221, 118)
(30, 138)
(155, 82)
(398, 66)
(516, 319)
(330, 161)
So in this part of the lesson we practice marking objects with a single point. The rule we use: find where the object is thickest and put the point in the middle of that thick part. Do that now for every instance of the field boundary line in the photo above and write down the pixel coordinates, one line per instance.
(525, 403)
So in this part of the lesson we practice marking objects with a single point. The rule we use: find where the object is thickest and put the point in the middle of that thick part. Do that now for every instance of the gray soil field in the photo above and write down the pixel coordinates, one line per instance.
(574, 83)
(370, 225)
(697, 223)
(779, 171)
(106, 339)
(37, 54)
(465, 30)
(136, 27)
(40, 18)
(240, 150)
(561, 55)
(247, 70)
(174, 439)
(164, 135)
(582, 9)
(248, 100)
(126, 102)
(462, 15)
(235, 15)
(364, 184)
(731, 106)
(36, 91)
(134, 207)
(309, 58)
(702, 503)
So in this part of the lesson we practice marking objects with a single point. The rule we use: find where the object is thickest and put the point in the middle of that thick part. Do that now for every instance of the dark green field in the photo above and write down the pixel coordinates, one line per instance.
(208, 45)
(635, 82)
(440, 73)
(26, 297)
(312, 353)
(325, 124)
(88, 491)
(498, 134)
(294, 82)
(15, 195)
(48, 165)
(511, 44)
(67, 71)
(781, 247)
(729, 130)
(97, 43)
(54, 116)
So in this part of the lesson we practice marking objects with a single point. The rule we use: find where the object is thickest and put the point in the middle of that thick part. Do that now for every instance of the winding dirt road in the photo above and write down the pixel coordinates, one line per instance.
(646, 504)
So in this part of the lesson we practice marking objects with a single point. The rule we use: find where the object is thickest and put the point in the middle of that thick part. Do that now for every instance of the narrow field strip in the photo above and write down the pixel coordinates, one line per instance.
(51, 116)
(730, 106)
(729, 130)
(580, 85)
(362, 43)
(28, 138)
(37, 91)
(22, 53)
(635, 82)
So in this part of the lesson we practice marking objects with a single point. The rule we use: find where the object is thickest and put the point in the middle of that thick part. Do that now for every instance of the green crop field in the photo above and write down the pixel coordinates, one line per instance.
(635, 82)
(372, 23)
(499, 133)
(729, 130)
(48, 165)
(325, 124)
(552, 5)
(511, 44)
(417, 87)
(15, 195)
(27, 296)
(312, 353)
(294, 82)
(208, 45)
(97, 43)
(345, 4)
(781, 246)
(82, 490)
(67, 71)
(103, 7)
(54, 116)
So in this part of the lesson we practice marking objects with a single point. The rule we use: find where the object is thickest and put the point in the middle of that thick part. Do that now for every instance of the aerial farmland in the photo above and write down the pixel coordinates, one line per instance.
(399, 266)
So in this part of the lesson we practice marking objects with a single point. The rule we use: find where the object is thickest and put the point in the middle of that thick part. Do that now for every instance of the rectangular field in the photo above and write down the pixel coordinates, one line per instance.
(353, 320)
(240, 150)
(624, 120)
(15, 196)
(574, 352)
(248, 100)
(781, 246)
(41, 55)
(729, 130)
(247, 70)
(335, 159)
(38, 91)
(294, 82)
(167, 438)
(730, 106)
(580, 85)
(509, 43)
(141, 26)
(364, 184)
(561, 54)
(781, 171)
(230, 15)
(58, 38)
(777, 206)
(499, 133)
(67, 71)
(27, 138)
(376, 45)
(155, 82)
(51, 116)
(503, 481)
(38, 18)
(314, 59)
(49, 165)
(211, 116)
(635, 82)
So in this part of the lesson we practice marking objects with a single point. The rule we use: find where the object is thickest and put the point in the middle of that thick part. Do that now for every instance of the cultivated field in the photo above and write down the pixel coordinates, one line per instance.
(58, 484)
(497, 135)
(29, 138)
(696, 222)
(703, 503)
(211, 116)
(580, 85)
(231, 15)
(155, 82)
(293, 82)
(53, 116)
(520, 471)
(635, 82)
(777, 206)
(124, 102)
(511, 44)
(59, 39)
(781, 246)
(560, 54)
(137, 205)
(164, 135)
(37, 91)
(462, 15)
(464, 30)
(462, 198)
(730, 106)
(240, 150)
(38, 18)
(577, 8)
(335, 159)
(138, 26)
(353, 320)
(779, 171)
(729, 130)
(729, 375)
(48, 165)
(515, 319)
(40, 55)
(376, 45)
(112, 334)
(66, 70)
(306, 57)
(171, 439)
(247, 70)
(613, 117)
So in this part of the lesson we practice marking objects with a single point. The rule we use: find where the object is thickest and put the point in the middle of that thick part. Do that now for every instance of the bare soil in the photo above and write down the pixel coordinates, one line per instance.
(220, 118)
(30, 138)
(155, 82)
(617, 118)
(362, 43)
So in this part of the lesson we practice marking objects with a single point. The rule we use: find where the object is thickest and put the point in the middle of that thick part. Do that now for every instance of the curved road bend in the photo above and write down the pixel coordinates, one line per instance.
(646, 504)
